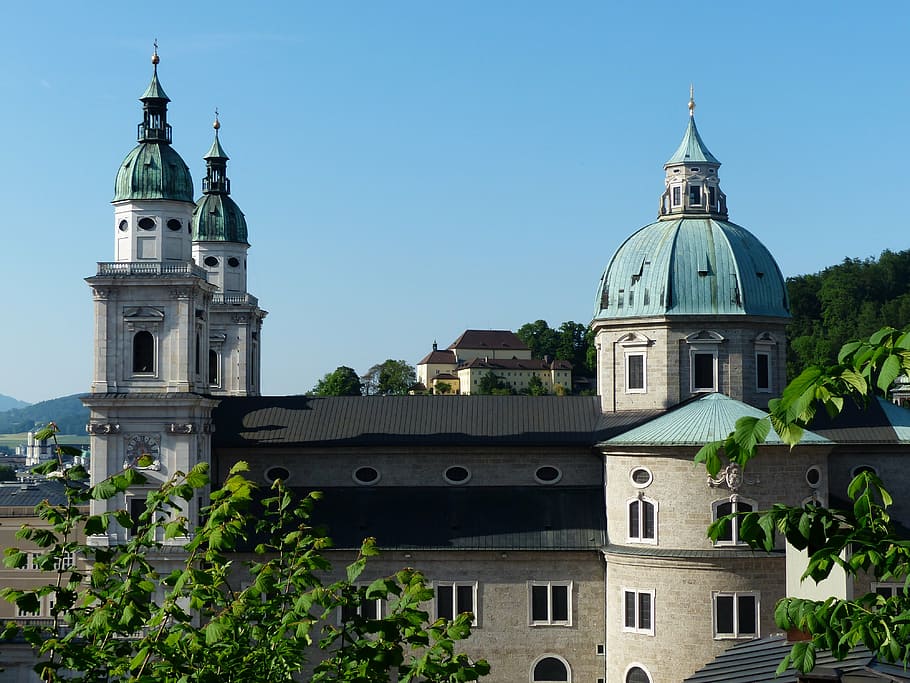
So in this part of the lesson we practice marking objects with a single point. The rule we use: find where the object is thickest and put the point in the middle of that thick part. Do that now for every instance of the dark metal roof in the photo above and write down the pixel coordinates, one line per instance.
(878, 422)
(465, 518)
(29, 494)
(417, 420)
(757, 660)
(719, 553)
(489, 339)
(436, 356)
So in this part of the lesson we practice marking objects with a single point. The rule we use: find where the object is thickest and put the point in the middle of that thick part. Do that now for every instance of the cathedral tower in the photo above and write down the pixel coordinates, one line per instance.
(148, 403)
(692, 303)
(220, 246)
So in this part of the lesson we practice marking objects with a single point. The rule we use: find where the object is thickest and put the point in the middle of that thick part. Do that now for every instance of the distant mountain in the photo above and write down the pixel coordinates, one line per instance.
(8, 403)
(68, 412)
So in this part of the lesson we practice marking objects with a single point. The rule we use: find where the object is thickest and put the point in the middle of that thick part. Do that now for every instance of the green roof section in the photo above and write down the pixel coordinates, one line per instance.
(692, 148)
(217, 218)
(692, 266)
(216, 151)
(695, 423)
(899, 418)
(154, 91)
(153, 170)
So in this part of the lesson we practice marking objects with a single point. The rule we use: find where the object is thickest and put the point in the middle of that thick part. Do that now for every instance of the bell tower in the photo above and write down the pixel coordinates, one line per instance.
(148, 404)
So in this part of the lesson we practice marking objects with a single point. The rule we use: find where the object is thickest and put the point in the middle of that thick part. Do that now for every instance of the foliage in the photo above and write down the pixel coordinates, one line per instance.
(851, 299)
(572, 341)
(7, 473)
(536, 387)
(343, 381)
(389, 378)
(443, 388)
(862, 539)
(67, 411)
(116, 618)
(491, 383)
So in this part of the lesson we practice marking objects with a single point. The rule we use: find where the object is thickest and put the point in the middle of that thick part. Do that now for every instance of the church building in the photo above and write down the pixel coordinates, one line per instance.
(572, 527)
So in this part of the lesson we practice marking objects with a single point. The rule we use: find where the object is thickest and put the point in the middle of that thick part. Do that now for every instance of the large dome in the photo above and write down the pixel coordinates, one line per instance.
(217, 218)
(153, 170)
(692, 266)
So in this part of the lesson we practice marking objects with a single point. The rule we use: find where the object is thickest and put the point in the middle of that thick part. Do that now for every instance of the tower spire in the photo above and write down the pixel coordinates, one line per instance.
(216, 180)
(691, 100)
(154, 126)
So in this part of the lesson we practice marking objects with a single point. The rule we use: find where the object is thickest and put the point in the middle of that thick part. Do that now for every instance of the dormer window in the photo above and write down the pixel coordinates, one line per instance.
(695, 169)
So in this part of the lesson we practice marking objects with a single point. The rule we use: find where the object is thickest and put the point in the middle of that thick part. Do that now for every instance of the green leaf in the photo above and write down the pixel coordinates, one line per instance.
(709, 454)
(889, 372)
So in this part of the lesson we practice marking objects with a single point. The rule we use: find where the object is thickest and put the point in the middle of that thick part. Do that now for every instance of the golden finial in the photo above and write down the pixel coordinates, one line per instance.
(155, 59)
(691, 99)
(217, 123)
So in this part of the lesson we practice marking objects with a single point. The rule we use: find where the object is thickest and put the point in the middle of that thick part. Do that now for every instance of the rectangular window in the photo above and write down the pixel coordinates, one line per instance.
(694, 195)
(638, 611)
(456, 597)
(551, 603)
(712, 197)
(703, 375)
(735, 615)
(888, 590)
(730, 534)
(676, 195)
(635, 373)
(368, 608)
(763, 372)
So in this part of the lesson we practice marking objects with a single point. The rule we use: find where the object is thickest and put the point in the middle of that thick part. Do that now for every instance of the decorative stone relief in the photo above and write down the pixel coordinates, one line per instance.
(731, 477)
(181, 428)
(102, 428)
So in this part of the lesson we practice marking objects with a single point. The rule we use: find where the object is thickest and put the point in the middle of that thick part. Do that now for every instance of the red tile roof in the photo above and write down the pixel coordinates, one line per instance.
(489, 339)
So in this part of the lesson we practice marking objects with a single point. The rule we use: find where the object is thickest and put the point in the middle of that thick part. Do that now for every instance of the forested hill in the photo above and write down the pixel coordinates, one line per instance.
(68, 412)
(852, 299)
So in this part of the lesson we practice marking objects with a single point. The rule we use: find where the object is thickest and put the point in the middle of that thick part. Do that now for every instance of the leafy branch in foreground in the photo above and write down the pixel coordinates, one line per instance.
(164, 608)
(862, 540)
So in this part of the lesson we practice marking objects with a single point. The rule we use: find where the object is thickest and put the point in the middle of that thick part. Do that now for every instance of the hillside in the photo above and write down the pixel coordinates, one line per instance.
(68, 412)
(9, 403)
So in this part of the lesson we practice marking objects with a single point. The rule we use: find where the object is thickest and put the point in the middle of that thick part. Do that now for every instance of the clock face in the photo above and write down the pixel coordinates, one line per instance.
(140, 445)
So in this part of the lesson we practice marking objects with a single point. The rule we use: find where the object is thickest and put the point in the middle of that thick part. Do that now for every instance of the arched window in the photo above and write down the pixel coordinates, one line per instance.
(143, 352)
(213, 367)
(642, 520)
(636, 674)
(734, 505)
(551, 669)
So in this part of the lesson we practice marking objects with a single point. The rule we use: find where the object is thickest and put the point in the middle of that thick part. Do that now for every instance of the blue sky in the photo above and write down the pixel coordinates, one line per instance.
(412, 169)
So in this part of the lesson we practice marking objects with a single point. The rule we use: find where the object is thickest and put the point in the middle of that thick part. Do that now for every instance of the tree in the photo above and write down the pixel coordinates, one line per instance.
(443, 388)
(7, 473)
(540, 338)
(491, 383)
(390, 378)
(536, 387)
(343, 381)
(572, 342)
(860, 539)
(115, 618)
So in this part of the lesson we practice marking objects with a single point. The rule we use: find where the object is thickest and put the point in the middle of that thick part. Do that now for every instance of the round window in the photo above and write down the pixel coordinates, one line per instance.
(174, 224)
(233, 263)
(457, 475)
(859, 469)
(814, 476)
(211, 261)
(123, 226)
(547, 474)
(273, 473)
(641, 477)
(366, 475)
(147, 223)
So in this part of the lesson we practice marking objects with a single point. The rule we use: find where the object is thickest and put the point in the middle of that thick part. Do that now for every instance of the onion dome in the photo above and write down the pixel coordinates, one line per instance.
(153, 170)
(692, 260)
(217, 218)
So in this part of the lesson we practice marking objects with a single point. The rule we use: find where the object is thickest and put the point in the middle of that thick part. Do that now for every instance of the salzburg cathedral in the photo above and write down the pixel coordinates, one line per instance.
(573, 528)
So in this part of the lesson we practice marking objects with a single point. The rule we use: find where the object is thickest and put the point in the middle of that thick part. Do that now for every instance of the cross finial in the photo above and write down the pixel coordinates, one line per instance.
(691, 99)
(155, 59)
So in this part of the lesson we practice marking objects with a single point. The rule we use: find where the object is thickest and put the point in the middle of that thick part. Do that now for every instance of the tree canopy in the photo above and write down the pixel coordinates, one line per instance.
(115, 617)
(572, 341)
(343, 381)
(389, 378)
(491, 383)
(862, 539)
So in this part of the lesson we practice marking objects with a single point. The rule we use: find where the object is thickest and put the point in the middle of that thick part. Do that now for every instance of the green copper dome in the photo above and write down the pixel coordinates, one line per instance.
(692, 266)
(153, 170)
(217, 218)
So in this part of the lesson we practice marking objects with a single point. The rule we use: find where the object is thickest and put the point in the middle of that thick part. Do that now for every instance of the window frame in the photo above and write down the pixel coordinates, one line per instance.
(763, 353)
(643, 389)
(455, 585)
(550, 655)
(550, 586)
(636, 665)
(380, 606)
(735, 501)
(641, 500)
(144, 351)
(737, 633)
(636, 616)
(892, 586)
(693, 353)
